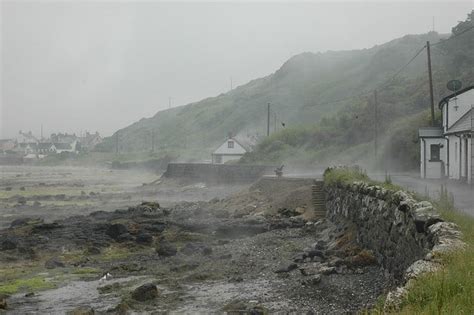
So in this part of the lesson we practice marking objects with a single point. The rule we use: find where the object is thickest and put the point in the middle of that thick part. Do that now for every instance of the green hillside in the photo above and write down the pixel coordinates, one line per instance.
(302, 92)
(403, 107)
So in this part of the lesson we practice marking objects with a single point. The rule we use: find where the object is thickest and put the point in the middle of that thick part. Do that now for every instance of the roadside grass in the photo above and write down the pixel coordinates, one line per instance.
(447, 291)
(349, 175)
(450, 290)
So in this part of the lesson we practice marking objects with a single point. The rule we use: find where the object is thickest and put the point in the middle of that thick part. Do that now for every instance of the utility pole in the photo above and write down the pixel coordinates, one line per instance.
(169, 102)
(430, 76)
(41, 132)
(231, 85)
(117, 143)
(152, 140)
(268, 119)
(274, 122)
(375, 123)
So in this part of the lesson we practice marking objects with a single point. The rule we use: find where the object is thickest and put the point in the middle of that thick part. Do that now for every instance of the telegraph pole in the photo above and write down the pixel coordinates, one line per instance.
(268, 119)
(274, 122)
(117, 143)
(430, 76)
(375, 123)
(152, 140)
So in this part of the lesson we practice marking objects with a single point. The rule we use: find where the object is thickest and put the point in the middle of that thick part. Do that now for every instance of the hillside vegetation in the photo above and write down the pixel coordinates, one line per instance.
(302, 94)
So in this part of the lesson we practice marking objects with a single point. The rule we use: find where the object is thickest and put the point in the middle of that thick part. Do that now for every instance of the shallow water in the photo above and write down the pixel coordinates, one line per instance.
(68, 297)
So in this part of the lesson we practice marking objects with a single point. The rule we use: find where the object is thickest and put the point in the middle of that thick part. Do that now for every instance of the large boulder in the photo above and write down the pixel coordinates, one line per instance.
(144, 238)
(115, 230)
(145, 292)
(8, 244)
(166, 249)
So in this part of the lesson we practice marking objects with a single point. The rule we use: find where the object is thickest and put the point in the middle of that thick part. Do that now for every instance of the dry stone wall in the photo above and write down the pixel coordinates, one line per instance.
(405, 235)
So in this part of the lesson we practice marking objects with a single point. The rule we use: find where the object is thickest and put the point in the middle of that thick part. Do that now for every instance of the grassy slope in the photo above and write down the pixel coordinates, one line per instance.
(348, 137)
(297, 91)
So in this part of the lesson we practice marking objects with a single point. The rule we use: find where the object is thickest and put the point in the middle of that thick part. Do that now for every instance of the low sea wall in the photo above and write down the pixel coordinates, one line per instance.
(406, 236)
(217, 173)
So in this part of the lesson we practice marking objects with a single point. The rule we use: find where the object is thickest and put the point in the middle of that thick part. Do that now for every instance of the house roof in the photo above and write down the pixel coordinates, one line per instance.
(44, 145)
(450, 96)
(430, 132)
(62, 146)
(462, 124)
(237, 149)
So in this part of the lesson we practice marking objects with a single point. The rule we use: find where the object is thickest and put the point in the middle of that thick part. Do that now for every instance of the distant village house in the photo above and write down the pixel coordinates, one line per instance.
(232, 149)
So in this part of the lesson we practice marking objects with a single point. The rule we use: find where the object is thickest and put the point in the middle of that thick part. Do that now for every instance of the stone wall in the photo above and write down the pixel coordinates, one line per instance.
(405, 235)
(217, 173)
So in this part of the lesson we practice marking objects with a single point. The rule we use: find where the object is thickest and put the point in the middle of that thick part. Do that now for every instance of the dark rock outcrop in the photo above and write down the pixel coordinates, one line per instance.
(166, 249)
(116, 230)
(145, 292)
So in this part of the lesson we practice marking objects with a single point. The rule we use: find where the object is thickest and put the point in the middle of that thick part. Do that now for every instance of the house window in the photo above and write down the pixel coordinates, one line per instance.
(434, 153)
(230, 144)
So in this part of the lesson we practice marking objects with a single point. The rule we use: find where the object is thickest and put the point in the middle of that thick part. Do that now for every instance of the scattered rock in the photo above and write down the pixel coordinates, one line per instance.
(126, 237)
(121, 309)
(54, 263)
(29, 294)
(151, 205)
(394, 299)
(27, 252)
(8, 188)
(145, 292)
(327, 270)
(115, 230)
(420, 267)
(206, 251)
(314, 280)
(82, 310)
(144, 238)
(109, 288)
(8, 244)
(363, 258)
(166, 249)
(93, 250)
(3, 302)
(288, 268)
(46, 226)
(21, 200)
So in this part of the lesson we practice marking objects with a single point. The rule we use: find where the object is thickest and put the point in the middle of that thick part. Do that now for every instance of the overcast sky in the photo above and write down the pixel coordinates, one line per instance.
(84, 65)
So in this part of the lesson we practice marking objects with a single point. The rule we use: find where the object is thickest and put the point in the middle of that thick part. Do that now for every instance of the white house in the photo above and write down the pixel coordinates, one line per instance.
(231, 149)
(448, 151)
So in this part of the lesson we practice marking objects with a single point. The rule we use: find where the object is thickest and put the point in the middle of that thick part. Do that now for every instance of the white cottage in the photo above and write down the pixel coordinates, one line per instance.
(231, 149)
(447, 151)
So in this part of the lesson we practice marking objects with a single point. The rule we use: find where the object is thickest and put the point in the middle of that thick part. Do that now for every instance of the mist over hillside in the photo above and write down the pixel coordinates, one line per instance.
(304, 92)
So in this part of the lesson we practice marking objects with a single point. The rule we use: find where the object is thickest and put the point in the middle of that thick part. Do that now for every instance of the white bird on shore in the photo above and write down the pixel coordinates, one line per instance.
(106, 276)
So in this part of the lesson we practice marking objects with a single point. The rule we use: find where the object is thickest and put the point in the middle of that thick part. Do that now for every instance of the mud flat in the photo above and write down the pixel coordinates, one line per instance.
(241, 253)
(52, 193)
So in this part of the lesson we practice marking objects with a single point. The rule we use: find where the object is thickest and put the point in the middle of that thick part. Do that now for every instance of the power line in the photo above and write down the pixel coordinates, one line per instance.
(390, 80)
(383, 85)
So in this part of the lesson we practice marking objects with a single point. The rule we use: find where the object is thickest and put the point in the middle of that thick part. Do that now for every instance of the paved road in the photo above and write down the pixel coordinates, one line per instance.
(463, 193)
